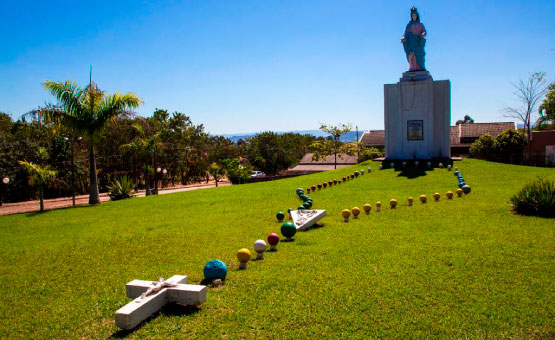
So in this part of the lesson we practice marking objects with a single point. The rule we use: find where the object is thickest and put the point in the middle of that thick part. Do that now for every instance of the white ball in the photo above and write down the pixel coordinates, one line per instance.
(260, 246)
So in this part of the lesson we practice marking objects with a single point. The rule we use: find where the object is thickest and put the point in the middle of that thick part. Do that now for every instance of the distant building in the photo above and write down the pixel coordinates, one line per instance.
(461, 136)
(307, 165)
(542, 148)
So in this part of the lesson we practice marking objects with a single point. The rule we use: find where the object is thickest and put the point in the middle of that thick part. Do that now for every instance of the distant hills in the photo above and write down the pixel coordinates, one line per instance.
(350, 136)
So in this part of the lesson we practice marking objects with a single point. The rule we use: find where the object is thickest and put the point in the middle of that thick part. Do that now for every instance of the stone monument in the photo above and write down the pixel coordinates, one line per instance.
(417, 110)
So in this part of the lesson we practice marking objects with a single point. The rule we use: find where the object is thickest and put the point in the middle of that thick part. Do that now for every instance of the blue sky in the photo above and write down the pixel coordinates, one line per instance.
(247, 66)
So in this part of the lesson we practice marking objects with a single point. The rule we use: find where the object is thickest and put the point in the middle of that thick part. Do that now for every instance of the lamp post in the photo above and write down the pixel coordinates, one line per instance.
(72, 139)
(158, 170)
(5, 181)
(164, 172)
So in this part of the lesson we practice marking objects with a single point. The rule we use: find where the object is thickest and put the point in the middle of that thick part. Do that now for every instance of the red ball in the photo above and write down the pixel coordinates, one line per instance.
(313, 187)
(273, 239)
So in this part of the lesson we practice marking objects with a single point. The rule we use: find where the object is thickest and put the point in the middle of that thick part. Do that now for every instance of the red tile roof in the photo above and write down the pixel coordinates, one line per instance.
(479, 129)
(373, 138)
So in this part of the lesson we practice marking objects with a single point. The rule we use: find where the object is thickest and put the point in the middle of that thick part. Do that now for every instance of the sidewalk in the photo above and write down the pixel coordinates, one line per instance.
(65, 202)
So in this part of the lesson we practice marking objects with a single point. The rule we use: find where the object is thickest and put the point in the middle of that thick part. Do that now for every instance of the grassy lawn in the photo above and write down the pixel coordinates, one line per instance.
(461, 268)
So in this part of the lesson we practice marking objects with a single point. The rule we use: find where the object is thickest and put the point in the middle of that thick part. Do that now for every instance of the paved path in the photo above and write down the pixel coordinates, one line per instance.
(64, 202)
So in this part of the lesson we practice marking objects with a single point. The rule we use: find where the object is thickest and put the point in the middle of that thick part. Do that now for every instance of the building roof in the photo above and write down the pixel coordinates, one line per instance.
(479, 129)
(341, 159)
(473, 130)
(373, 138)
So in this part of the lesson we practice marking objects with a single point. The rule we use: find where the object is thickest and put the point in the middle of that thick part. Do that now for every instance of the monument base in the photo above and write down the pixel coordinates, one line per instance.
(416, 76)
(417, 115)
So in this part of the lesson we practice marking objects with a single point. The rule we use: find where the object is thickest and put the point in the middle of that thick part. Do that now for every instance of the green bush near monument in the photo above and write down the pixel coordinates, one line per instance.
(460, 268)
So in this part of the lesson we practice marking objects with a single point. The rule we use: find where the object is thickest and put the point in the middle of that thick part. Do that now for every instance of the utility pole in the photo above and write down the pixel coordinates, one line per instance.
(356, 127)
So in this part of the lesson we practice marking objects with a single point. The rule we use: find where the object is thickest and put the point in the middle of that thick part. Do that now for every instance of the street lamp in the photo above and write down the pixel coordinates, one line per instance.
(72, 139)
(5, 181)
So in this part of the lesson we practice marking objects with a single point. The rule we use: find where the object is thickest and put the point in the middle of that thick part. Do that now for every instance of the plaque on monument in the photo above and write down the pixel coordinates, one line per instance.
(415, 130)
(417, 109)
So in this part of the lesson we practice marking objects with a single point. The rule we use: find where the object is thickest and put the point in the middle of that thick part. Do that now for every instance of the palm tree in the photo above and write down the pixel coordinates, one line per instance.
(145, 146)
(38, 175)
(86, 111)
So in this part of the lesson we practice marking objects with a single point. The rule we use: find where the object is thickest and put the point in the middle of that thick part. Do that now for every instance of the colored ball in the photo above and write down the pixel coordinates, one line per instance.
(356, 173)
(459, 192)
(313, 187)
(355, 211)
(243, 255)
(330, 183)
(260, 246)
(288, 229)
(334, 181)
(346, 213)
(273, 239)
(367, 207)
(280, 216)
(423, 198)
(215, 269)
(300, 207)
(461, 184)
(300, 191)
(456, 173)
(308, 190)
(449, 194)
(410, 199)
(378, 204)
(393, 203)
(306, 205)
(352, 176)
(344, 179)
(437, 196)
(325, 184)
(466, 189)
(319, 186)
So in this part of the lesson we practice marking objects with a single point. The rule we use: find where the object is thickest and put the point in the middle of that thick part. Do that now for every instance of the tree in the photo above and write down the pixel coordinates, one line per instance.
(332, 145)
(145, 146)
(216, 171)
(510, 143)
(528, 93)
(547, 109)
(236, 172)
(86, 111)
(39, 175)
(466, 120)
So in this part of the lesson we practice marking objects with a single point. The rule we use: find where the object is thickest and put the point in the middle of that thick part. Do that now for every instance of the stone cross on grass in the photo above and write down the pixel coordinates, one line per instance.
(151, 296)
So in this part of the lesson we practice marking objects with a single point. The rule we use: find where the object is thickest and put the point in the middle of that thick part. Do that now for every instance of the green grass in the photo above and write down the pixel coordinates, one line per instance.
(461, 268)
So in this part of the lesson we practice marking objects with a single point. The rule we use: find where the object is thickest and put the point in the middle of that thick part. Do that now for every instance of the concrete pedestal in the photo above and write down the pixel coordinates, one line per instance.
(417, 117)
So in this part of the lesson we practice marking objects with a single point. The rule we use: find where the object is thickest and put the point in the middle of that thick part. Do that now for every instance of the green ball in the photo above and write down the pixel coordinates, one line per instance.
(288, 229)
(306, 205)
(300, 207)
(280, 216)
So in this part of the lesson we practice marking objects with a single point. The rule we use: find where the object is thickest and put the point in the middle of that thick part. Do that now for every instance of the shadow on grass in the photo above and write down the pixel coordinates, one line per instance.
(314, 226)
(47, 211)
(412, 172)
(172, 309)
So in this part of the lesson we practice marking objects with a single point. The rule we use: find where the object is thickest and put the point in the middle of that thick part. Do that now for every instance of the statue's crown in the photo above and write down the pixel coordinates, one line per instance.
(413, 10)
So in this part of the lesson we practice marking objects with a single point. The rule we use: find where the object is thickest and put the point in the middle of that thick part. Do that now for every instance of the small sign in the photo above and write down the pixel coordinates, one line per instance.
(415, 130)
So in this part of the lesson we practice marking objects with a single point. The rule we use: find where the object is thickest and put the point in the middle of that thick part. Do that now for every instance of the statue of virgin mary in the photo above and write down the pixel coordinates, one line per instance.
(414, 41)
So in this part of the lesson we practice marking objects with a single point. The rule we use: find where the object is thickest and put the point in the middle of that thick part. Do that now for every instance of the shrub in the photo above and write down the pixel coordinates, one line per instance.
(121, 189)
(369, 153)
(483, 148)
(510, 144)
(536, 199)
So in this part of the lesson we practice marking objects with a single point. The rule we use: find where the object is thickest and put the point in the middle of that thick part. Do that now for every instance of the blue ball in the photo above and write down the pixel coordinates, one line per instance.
(215, 269)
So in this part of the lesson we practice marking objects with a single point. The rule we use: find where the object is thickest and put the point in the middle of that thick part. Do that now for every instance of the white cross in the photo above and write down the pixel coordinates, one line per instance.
(304, 219)
(151, 296)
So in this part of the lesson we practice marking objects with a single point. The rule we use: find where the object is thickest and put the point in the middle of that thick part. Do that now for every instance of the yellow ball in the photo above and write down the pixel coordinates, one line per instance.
(437, 196)
(355, 211)
(393, 203)
(378, 204)
(459, 192)
(346, 213)
(423, 198)
(449, 194)
(367, 207)
(243, 255)
(410, 199)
